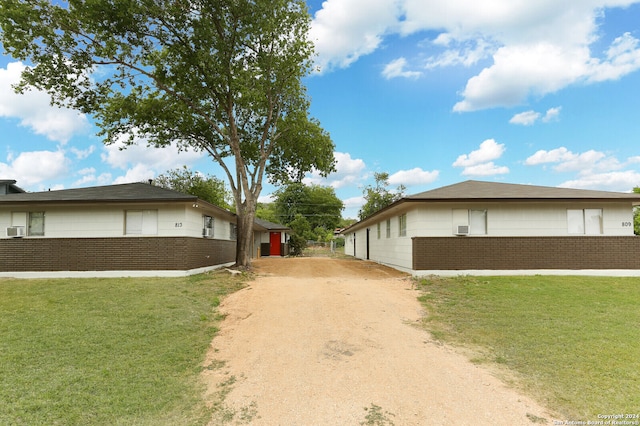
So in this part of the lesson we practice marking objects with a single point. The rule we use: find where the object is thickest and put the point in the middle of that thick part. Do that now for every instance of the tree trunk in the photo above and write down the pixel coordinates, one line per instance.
(244, 243)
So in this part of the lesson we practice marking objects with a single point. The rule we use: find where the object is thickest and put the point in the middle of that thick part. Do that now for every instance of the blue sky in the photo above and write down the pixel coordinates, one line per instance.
(433, 93)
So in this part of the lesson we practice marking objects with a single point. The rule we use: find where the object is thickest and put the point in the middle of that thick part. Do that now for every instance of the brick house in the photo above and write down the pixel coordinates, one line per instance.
(476, 226)
(129, 229)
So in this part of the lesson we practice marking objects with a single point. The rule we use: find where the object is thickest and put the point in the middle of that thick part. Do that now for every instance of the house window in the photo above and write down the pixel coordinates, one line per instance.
(141, 222)
(584, 221)
(36, 224)
(388, 228)
(378, 230)
(207, 226)
(478, 222)
(233, 231)
(402, 225)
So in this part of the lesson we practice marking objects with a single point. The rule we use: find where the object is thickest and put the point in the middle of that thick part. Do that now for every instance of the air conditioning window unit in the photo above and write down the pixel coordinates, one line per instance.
(15, 231)
(462, 230)
(207, 232)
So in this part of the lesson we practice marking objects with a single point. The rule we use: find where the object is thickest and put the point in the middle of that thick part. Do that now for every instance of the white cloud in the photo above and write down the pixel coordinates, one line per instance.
(268, 198)
(522, 70)
(555, 155)
(587, 162)
(348, 171)
(485, 169)
(536, 47)
(343, 31)
(622, 58)
(352, 206)
(81, 154)
(480, 162)
(467, 53)
(396, 68)
(32, 168)
(353, 202)
(566, 161)
(87, 171)
(529, 118)
(552, 114)
(34, 111)
(88, 177)
(622, 181)
(138, 173)
(593, 169)
(84, 180)
(489, 150)
(142, 162)
(411, 177)
(526, 118)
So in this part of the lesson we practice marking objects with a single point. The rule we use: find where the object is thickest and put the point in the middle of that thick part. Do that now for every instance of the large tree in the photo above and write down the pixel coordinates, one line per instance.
(318, 204)
(379, 196)
(221, 76)
(206, 187)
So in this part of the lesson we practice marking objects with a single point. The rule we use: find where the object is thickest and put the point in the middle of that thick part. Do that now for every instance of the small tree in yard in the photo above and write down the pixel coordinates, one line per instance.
(301, 232)
(222, 77)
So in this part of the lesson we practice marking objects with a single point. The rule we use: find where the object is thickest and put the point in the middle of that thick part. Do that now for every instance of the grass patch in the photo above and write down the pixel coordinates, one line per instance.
(107, 351)
(376, 416)
(572, 341)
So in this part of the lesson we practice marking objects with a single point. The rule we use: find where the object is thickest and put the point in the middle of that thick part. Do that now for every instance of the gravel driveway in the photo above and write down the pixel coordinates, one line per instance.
(321, 341)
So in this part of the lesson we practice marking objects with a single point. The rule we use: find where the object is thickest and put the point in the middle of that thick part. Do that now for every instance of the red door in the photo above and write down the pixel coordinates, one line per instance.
(274, 240)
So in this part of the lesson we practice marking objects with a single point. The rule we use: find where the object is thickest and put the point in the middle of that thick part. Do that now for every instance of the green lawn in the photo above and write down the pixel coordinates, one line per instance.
(107, 351)
(572, 342)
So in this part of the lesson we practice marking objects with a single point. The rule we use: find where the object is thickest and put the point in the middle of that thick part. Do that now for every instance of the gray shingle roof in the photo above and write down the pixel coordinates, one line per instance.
(8, 186)
(477, 190)
(129, 192)
(270, 226)
(473, 190)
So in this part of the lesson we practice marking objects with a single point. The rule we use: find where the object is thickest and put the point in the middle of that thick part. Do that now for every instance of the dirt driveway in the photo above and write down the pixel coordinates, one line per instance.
(320, 341)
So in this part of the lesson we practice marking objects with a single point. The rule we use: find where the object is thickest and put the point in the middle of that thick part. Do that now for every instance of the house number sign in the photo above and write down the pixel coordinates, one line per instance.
(178, 225)
(627, 224)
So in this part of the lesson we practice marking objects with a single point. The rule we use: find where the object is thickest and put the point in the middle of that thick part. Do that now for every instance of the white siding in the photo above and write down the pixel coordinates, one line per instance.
(109, 221)
(502, 220)
(551, 220)
(523, 219)
(395, 250)
(62, 222)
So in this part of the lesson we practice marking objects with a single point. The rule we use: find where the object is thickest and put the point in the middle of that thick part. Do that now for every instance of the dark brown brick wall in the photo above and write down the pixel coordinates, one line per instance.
(508, 253)
(113, 254)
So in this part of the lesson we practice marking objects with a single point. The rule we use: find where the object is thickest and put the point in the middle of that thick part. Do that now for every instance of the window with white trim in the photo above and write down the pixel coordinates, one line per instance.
(388, 228)
(141, 222)
(470, 221)
(36, 224)
(478, 222)
(207, 226)
(584, 221)
(402, 225)
(378, 230)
